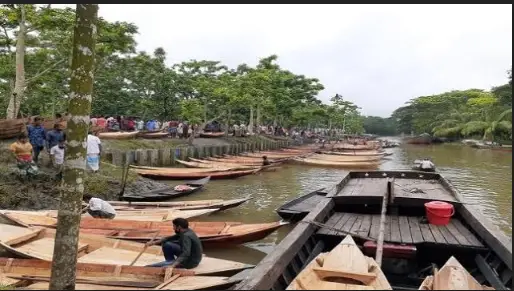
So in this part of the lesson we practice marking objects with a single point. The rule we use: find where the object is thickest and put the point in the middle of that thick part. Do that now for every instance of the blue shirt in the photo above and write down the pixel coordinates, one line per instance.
(36, 135)
(150, 125)
(53, 137)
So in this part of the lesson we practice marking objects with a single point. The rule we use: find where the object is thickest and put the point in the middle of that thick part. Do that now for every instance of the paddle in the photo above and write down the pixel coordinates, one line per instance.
(144, 248)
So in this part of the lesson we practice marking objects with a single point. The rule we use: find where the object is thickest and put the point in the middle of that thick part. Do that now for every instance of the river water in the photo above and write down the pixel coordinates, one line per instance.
(484, 177)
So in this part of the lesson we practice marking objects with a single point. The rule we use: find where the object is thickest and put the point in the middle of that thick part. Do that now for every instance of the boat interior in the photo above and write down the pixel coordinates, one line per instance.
(412, 248)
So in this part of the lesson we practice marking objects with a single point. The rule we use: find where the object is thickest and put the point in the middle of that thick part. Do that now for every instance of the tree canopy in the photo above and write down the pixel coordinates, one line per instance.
(143, 84)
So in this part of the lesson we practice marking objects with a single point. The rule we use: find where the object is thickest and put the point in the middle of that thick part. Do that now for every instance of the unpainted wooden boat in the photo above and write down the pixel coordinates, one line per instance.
(351, 147)
(218, 204)
(411, 248)
(211, 134)
(239, 161)
(336, 164)
(165, 175)
(38, 243)
(298, 208)
(452, 276)
(11, 128)
(30, 274)
(152, 135)
(118, 135)
(192, 187)
(215, 166)
(343, 268)
(356, 153)
(338, 158)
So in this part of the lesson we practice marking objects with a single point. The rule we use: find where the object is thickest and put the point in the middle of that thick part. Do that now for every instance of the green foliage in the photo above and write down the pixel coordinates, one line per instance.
(459, 114)
(380, 126)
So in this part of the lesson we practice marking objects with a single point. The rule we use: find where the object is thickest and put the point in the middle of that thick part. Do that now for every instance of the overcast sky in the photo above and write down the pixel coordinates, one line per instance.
(377, 56)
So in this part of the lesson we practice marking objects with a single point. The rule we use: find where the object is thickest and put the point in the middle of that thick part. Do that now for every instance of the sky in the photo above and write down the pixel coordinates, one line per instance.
(377, 56)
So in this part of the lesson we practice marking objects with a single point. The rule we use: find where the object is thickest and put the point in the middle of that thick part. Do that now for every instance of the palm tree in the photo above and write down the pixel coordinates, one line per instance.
(490, 126)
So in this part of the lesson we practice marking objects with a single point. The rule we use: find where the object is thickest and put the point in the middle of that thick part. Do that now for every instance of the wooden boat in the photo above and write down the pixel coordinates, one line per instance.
(211, 134)
(411, 246)
(11, 128)
(329, 271)
(211, 233)
(161, 214)
(452, 276)
(299, 207)
(177, 174)
(118, 135)
(152, 135)
(242, 162)
(218, 204)
(336, 164)
(338, 158)
(38, 243)
(357, 153)
(351, 147)
(35, 274)
(193, 187)
(214, 166)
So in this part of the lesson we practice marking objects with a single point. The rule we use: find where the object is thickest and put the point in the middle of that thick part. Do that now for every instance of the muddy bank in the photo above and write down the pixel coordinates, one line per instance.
(42, 191)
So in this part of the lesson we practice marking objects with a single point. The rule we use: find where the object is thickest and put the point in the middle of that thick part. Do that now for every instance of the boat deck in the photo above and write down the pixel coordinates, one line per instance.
(365, 188)
(307, 204)
(401, 229)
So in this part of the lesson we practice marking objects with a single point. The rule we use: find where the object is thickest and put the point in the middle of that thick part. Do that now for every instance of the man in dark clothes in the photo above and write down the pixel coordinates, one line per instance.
(265, 161)
(182, 250)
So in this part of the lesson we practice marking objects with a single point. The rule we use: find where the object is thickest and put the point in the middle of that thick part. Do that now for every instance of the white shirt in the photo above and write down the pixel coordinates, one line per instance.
(58, 154)
(426, 164)
(92, 144)
(97, 204)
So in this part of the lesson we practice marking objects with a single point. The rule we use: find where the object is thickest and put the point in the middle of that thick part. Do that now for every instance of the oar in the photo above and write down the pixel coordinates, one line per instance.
(144, 248)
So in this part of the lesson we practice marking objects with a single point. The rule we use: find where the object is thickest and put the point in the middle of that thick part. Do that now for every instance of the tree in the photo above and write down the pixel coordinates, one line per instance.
(68, 219)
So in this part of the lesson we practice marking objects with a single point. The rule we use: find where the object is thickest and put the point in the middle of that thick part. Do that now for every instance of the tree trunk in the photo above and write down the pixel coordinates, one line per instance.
(250, 124)
(205, 112)
(227, 126)
(258, 118)
(19, 87)
(81, 85)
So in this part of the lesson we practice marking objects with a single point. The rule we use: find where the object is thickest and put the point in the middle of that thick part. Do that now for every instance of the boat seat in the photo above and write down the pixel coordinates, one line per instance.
(116, 256)
(365, 278)
(43, 248)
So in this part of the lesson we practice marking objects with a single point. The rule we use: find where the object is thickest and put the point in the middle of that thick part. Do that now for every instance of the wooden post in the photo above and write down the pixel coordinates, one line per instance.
(380, 241)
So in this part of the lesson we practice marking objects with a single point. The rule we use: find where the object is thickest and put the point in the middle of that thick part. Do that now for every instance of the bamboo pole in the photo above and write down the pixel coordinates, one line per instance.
(380, 240)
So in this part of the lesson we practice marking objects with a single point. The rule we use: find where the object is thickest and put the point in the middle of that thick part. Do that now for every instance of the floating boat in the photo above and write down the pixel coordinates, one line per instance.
(338, 158)
(299, 207)
(190, 188)
(452, 276)
(218, 204)
(411, 247)
(336, 164)
(417, 167)
(211, 134)
(329, 271)
(358, 153)
(30, 274)
(38, 243)
(118, 135)
(351, 147)
(206, 164)
(189, 173)
(215, 166)
(152, 135)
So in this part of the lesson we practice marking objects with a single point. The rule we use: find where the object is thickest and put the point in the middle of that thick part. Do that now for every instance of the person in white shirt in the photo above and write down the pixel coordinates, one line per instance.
(57, 157)
(427, 164)
(94, 148)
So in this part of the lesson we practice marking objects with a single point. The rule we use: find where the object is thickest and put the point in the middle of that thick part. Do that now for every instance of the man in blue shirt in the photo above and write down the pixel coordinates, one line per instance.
(37, 137)
(54, 136)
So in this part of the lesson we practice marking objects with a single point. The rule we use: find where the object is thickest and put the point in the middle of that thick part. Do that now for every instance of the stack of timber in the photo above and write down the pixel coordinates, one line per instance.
(384, 212)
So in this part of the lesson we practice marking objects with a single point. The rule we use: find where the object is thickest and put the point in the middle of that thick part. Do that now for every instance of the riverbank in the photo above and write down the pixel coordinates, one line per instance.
(42, 192)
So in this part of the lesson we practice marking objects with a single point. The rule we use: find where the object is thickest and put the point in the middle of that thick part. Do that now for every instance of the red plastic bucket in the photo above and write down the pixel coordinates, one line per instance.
(438, 212)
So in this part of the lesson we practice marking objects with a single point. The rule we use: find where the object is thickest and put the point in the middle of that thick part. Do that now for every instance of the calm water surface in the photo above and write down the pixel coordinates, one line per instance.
(484, 177)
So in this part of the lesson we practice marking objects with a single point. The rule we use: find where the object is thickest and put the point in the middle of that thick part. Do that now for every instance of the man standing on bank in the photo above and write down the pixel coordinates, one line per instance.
(182, 250)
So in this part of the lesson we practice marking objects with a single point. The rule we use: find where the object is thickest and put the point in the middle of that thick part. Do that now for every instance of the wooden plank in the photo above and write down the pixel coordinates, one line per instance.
(450, 239)
(387, 229)
(426, 232)
(470, 237)
(395, 229)
(438, 236)
(341, 223)
(489, 273)
(357, 224)
(415, 231)
(22, 238)
(365, 226)
(330, 222)
(266, 273)
(405, 230)
(349, 223)
(375, 226)
(461, 239)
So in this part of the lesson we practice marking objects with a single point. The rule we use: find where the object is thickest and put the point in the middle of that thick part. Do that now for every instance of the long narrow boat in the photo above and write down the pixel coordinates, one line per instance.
(218, 204)
(337, 158)
(152, 135)
(411, 246)
(181, 174)
(329, 271)
(206, 164)
(214, 166)
(30, 274)
(452, 276)
(298, 208)
(335, 164)
(118, 135)
(357, 153)
(211, 134)
(190, 188)
(38, 243)
(210, 233)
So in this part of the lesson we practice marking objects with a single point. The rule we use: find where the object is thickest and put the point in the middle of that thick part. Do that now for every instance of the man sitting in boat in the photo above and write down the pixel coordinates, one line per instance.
(426, 164)
(182, 250)
(265, 161)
